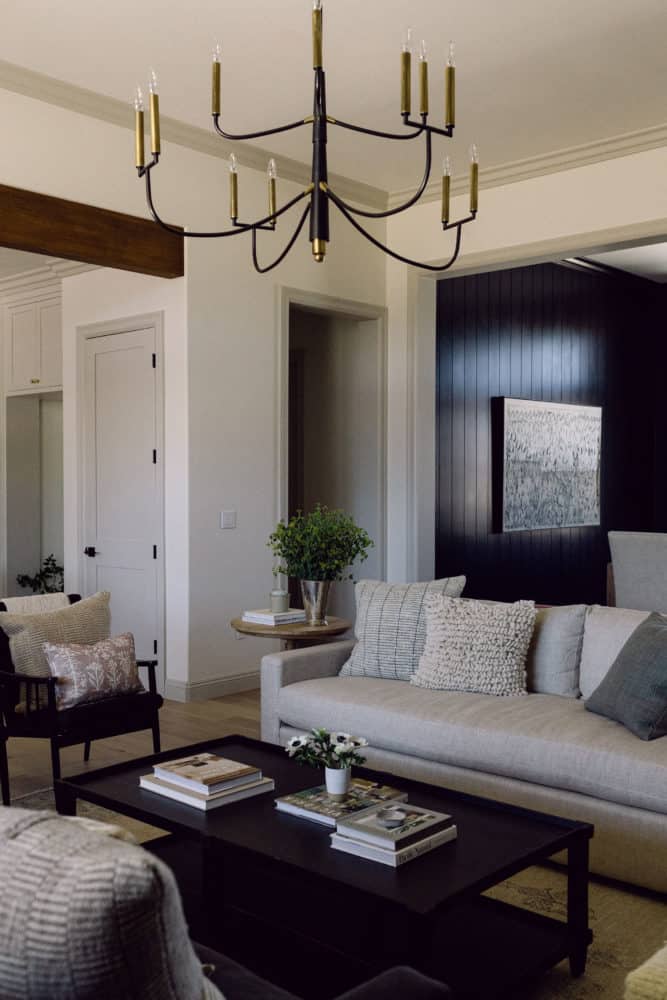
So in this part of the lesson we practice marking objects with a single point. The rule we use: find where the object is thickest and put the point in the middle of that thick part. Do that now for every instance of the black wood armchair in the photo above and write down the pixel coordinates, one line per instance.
(28, 710)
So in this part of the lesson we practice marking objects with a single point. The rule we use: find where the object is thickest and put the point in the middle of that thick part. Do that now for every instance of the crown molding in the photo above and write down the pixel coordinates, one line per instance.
(547, 163)
(41, 281)
(29, 83)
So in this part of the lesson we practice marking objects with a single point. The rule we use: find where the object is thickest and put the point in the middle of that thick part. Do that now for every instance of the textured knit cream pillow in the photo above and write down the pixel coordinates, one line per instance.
(474, 646)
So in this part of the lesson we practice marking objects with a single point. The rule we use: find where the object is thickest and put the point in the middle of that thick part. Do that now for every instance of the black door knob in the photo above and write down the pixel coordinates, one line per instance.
(90, 550)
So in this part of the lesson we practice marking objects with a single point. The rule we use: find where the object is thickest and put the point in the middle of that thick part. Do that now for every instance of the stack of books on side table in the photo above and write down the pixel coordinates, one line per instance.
(317, 804)
(393, 834)
(264, 616)
(206, 781)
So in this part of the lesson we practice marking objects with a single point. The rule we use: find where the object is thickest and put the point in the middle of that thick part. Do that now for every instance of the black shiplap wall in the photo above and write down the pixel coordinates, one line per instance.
(550, 333)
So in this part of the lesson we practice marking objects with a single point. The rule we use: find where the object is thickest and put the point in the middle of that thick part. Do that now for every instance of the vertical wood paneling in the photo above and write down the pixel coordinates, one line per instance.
(548, 333)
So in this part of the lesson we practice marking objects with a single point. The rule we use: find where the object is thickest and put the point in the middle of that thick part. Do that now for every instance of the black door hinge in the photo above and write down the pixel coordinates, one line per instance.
(154, 456)
(155, 646)
(155, 552)
(155, 361)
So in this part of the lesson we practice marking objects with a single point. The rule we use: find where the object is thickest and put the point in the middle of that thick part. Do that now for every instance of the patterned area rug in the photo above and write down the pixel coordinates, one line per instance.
(628, 926)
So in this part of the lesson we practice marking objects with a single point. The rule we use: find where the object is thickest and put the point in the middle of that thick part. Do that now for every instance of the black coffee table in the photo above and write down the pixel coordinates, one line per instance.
(267, 888)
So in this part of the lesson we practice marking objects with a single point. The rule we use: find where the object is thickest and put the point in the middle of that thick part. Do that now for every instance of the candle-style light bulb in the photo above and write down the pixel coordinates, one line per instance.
(406, 68)
(446, 183)
(272, 173)
(450, 89)
(139, 157)
(423, 79)
(317, 34)
(474, 178)
(215, 80)
(154, 101)
(233, 187)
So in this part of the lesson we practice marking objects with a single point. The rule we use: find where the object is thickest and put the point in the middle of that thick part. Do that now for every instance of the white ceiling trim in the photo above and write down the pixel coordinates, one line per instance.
(29, 83)
(548, 163)
(46, 279)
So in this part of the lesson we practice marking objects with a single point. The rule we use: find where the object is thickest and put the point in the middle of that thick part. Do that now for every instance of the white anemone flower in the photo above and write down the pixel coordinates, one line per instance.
(340, 738)
(296, 743)
(358, 741)
(341, 748)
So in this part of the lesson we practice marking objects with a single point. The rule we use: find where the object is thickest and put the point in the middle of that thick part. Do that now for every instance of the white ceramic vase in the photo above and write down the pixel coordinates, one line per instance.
(338, 782)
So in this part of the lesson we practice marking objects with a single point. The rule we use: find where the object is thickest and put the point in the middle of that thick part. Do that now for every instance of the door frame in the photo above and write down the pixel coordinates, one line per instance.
(107, 328)
(363, 312)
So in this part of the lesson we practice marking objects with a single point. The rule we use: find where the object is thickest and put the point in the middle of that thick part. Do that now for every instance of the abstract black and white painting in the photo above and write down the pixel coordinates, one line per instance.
(550, 464)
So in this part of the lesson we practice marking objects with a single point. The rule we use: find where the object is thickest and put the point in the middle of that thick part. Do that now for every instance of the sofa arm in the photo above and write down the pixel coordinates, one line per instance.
(399, 982)
(290, 667)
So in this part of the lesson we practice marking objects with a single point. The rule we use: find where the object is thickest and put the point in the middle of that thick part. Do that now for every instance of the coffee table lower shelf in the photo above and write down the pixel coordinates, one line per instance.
(481, 948)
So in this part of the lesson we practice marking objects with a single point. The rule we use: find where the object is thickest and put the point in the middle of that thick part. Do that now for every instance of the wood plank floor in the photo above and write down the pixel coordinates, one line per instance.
(180, 724)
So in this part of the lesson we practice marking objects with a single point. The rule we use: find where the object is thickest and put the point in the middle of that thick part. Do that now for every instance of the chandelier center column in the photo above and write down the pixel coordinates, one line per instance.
(319, 209)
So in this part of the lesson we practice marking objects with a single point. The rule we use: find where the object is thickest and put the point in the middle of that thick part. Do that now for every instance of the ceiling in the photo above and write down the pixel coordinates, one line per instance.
(646, 262)
(531, 77)
(14, 262)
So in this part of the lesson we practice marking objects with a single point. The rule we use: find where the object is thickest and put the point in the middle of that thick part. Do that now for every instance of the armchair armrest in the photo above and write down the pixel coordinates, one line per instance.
(150, 665)
(295, 665)
(35, 688)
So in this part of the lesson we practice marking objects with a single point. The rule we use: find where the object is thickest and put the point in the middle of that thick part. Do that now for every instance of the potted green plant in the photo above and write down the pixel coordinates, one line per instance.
(318, 548)
(335, 752)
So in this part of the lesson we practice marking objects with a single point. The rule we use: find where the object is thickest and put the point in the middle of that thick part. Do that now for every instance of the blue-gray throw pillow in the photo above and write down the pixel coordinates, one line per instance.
(634, 690)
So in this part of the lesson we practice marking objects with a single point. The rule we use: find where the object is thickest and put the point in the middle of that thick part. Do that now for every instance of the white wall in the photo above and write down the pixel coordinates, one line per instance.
(101, 295)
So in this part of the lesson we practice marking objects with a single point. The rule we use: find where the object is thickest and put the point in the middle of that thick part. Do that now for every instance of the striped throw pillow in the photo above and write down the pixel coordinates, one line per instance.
(391, 626)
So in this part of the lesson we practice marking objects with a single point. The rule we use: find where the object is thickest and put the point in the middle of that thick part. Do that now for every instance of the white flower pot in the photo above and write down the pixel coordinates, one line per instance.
(338, 782)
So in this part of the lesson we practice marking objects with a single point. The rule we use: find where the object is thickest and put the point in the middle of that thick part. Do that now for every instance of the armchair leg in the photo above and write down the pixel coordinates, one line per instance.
(55, 759)
(4, 772)
(86, 751)
(156, 735)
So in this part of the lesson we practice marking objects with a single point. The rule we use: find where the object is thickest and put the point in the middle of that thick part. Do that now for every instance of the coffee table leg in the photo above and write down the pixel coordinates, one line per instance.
(65, 799)
(577, 905)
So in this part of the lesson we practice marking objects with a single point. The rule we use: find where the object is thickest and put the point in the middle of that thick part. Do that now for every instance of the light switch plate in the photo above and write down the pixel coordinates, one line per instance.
(228, 519)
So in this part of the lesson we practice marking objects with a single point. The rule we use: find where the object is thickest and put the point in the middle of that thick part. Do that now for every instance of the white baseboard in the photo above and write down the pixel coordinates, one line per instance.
(216, 688)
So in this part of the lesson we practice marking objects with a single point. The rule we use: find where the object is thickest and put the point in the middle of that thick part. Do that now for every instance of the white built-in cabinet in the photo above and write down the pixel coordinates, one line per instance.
(33, 346)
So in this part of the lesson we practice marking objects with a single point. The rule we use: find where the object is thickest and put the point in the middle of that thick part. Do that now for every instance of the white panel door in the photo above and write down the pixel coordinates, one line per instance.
(23, 347)
(122, 502)
(50, 344)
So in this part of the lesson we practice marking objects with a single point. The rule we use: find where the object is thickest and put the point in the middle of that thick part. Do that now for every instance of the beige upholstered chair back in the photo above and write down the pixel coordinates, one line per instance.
(639, 560)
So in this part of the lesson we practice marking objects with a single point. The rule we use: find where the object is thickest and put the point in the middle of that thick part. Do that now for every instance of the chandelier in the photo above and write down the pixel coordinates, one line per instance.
(318, 195)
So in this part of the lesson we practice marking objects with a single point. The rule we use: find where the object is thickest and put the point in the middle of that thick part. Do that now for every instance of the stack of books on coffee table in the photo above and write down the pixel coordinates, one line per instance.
(206, 781)
(393, 833)
(317, 805)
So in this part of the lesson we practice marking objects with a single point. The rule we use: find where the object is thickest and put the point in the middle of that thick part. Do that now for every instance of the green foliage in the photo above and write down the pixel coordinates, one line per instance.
(49, 579)
(320, 748)
(320, 545)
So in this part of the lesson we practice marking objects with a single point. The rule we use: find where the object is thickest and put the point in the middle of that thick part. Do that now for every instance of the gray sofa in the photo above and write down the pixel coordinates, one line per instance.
(543, 751)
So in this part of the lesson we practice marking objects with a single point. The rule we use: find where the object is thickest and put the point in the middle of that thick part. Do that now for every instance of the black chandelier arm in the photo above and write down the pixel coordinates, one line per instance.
(381, 135)
(407, 204)
(256, 135)
(239, 228)
(392, 253)
(280, 259)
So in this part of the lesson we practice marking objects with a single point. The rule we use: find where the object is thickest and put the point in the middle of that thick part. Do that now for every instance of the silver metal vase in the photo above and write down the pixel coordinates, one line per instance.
(315, 595)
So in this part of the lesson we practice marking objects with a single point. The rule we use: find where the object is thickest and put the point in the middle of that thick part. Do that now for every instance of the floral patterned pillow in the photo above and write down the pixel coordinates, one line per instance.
(91, 672)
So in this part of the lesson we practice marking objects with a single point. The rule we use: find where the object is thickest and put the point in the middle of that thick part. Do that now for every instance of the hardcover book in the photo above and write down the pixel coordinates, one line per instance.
(316, 804)
(206, 772)
(394, 826)
(392, 858)
(205, 802)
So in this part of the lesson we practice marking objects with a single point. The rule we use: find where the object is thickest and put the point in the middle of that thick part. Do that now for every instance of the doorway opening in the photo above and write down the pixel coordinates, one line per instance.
(336, 427)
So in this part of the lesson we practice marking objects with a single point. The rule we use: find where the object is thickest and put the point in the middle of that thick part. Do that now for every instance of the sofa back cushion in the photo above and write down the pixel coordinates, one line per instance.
(85, 915)
(555, 650)
(390, 626)
(606, 631)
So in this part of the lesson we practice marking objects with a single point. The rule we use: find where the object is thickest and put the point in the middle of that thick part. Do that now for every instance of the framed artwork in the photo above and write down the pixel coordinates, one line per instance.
(546, 464)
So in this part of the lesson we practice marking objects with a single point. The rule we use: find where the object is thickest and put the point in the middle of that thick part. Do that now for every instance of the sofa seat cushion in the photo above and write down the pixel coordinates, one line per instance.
(538, 738)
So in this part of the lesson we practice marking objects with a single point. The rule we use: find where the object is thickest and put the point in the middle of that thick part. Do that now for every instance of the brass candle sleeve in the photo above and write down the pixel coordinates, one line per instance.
(446, 180)
(474, 186)
(155, 123)
(139, 155)
(423, 87)
(317, 38)
(406, 94)
(233, 196)
(272, 196)
(215, 88)
(319, 249)
(450, 95)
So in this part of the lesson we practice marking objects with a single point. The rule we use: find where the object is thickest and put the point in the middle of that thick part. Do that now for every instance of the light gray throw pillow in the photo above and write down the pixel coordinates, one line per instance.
(390, 627)
(475, 646)
(554, 656)
(86, 915)
(606, 631)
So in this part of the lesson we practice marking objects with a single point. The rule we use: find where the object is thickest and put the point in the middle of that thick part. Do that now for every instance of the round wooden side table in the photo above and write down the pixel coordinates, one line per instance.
(296, 634)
